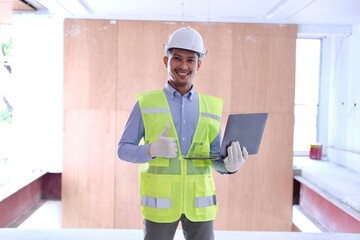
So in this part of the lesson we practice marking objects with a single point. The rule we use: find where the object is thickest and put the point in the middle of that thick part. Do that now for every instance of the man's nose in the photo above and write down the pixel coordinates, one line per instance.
(183, 64)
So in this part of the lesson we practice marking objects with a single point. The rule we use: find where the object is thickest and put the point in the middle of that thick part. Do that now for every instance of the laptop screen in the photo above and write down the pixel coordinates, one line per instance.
(246, 128)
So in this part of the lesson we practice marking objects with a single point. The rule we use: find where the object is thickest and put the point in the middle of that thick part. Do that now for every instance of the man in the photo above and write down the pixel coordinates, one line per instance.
(176, 122)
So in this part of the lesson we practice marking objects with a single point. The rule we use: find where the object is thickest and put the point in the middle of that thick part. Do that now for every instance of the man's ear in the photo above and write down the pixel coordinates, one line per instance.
(165, 60)
(199, 64)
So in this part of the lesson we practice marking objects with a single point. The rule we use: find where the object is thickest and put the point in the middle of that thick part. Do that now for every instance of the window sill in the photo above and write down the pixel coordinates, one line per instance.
(337, 184)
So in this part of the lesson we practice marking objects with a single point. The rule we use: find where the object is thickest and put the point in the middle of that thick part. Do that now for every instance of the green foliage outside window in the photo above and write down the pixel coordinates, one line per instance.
(6, 48)
(5, 106)
(6, 116)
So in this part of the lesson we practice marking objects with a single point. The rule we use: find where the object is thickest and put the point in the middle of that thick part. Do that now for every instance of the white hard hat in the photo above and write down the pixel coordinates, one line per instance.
(187, 38)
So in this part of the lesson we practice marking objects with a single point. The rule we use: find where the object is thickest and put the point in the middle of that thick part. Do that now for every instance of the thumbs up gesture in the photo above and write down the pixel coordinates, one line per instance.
(164, 146)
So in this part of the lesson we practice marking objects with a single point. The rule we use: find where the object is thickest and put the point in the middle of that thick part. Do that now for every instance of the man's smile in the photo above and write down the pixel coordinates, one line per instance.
(182, 73)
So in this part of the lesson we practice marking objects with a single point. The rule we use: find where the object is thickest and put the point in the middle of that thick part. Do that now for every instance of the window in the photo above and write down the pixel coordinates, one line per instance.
(31, 104)
(308, 55)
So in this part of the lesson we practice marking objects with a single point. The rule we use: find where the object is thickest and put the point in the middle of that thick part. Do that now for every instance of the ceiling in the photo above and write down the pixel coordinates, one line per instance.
(312, 12)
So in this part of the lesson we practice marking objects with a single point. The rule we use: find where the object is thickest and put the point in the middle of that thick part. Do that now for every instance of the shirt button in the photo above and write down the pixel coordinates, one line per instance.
(184, 121)
(183, 139)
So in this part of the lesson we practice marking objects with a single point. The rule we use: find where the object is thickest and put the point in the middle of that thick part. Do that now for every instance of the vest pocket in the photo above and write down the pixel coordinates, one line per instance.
(205, 187)
(205, 198)
(156, 199)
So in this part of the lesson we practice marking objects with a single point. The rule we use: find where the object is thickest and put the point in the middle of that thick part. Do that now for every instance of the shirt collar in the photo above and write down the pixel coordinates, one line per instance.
(171, 92)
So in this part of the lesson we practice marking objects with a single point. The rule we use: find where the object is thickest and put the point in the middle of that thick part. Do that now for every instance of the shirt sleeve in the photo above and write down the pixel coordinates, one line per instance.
(128, 148)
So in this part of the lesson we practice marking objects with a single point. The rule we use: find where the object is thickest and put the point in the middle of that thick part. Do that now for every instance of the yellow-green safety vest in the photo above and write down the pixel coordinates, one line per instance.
(171, 187)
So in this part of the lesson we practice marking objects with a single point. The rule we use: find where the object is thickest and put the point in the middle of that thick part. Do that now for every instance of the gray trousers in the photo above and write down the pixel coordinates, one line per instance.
(191, 230)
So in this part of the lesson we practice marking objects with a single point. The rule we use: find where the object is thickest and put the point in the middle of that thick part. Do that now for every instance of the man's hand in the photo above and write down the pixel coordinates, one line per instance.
(164, 146)
(235, 157)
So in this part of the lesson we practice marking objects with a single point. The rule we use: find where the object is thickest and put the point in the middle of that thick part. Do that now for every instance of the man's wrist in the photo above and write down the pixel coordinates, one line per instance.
(149, 151)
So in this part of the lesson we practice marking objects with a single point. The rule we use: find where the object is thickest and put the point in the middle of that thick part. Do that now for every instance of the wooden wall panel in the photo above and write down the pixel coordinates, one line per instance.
(90, 64)
(88, 179)
(140, 54)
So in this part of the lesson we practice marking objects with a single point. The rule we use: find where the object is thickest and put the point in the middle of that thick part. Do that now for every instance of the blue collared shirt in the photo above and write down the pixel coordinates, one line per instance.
(185, 113)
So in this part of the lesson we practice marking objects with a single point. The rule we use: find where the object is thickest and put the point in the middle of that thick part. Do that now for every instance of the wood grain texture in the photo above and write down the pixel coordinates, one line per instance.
(88, 180)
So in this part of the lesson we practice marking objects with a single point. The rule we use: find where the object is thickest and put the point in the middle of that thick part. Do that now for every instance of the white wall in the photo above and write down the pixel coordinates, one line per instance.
(342, 55)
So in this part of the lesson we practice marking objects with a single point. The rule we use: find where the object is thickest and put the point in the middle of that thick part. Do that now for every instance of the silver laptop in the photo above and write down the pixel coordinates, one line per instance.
(246, 128)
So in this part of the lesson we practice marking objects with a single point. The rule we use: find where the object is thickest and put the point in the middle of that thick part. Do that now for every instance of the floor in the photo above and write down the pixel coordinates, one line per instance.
(45, 224)
(48, 216)
(303, 222)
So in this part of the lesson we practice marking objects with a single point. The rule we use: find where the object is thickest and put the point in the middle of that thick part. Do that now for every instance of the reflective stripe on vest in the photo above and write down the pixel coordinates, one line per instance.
(205, 201)
(166, 202)
(156, 202)
(213, 116)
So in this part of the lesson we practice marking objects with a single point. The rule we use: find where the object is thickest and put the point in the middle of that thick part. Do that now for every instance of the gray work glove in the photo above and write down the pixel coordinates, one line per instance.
(164, 146)
(235, 157)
